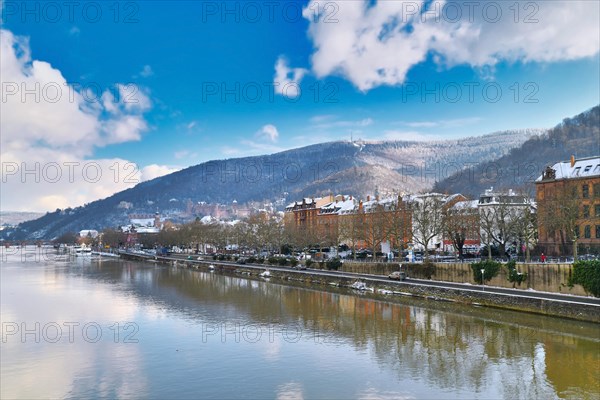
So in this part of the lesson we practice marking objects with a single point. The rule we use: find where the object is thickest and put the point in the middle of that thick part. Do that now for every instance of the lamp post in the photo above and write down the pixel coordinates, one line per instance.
(482, 283)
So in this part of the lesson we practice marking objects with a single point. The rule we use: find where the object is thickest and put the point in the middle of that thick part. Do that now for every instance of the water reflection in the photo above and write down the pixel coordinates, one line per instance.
(278, 341)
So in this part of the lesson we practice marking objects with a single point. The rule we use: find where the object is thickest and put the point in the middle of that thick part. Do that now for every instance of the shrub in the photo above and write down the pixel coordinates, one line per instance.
(491, 269)
(293, 262)
(514, 275)
(428, 269)
(283, 261)
(587, 274)
(308, 263)
(251, 259)
(334, 264)
(273, 260)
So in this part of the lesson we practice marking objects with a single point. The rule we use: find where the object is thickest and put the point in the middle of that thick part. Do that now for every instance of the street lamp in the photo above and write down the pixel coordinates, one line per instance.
(482, 284)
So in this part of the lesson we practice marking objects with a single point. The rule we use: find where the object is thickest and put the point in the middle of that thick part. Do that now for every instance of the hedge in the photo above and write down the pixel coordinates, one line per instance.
(587, 274)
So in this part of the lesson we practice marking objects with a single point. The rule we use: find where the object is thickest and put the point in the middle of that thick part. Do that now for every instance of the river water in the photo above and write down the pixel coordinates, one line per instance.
(89, 328)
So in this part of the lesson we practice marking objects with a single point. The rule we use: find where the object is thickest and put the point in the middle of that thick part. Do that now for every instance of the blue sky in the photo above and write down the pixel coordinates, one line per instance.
(373, 70)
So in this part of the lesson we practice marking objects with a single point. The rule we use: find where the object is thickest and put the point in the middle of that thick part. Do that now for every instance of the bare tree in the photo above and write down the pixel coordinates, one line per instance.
(501, 218)
(461, 222)
(376, 228)
(427, 220)
(399, 224)
(526, 227)
(561, 215)
(486, 233)
(351, 228)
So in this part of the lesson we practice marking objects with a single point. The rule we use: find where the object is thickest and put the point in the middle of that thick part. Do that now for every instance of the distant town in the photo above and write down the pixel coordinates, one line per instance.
(561, 220)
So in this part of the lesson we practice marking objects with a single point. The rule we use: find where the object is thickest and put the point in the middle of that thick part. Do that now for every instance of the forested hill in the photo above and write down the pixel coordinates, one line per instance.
(578, 136)
(356, 168)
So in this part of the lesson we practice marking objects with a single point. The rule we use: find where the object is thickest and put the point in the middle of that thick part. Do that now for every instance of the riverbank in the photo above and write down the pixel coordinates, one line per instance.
(564, 306)
(547, 277)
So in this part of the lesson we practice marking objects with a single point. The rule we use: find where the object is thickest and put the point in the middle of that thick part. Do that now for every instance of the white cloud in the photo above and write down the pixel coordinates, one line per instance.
(133, 98)
(374, 44)
(155, 171)
(146, 71)
(287, 80)
(184, 154)
(269, 132)
(330, 124)
(322, 118)
(53, 133)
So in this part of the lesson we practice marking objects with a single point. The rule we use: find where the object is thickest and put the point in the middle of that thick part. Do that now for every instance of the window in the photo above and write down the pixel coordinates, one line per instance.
(597, 210)
(587, 168)
(576, 171)
(575, 192)
(585, 189)
(586, 211)
(577, 231)
(587, 232)
(597, 190)
(597, 231)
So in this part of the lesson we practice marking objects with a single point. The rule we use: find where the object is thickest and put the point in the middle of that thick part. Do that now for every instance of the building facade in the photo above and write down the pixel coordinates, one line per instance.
(568, 198)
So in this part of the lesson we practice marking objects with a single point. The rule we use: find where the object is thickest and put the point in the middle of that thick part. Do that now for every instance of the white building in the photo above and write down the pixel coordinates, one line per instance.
(499, 213)
(88, 233)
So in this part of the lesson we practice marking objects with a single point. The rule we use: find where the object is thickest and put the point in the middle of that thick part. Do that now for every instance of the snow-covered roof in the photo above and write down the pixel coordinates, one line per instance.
(452, 197)
(339, 207)
(461, 205)
(147, 229)
(581, 168)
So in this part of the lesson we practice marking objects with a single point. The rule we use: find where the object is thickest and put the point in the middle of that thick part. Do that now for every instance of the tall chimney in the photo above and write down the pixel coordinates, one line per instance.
(572, 161)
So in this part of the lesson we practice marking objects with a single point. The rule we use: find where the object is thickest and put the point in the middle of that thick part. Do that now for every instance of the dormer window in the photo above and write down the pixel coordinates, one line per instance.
(576, 171)
(587, 168)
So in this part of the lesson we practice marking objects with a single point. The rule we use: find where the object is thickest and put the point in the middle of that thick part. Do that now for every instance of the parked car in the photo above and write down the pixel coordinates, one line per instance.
(397, 275)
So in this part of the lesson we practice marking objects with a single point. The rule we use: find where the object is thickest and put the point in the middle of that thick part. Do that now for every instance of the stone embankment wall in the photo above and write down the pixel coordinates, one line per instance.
(541, 277)
(396, 291)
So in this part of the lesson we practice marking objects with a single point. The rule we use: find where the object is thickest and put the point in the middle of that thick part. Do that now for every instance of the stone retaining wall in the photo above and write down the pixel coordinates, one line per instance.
(541, 277)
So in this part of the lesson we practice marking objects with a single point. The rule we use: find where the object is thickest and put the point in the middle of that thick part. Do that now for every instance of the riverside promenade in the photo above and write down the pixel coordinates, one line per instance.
(582, 308)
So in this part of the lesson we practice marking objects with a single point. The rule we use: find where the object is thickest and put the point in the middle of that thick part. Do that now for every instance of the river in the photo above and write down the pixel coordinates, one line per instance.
(90, 327)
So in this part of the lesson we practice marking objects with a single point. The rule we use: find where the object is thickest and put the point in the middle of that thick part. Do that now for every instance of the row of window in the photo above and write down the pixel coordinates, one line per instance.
(586, 211)
(587, 231)
(585, 190)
